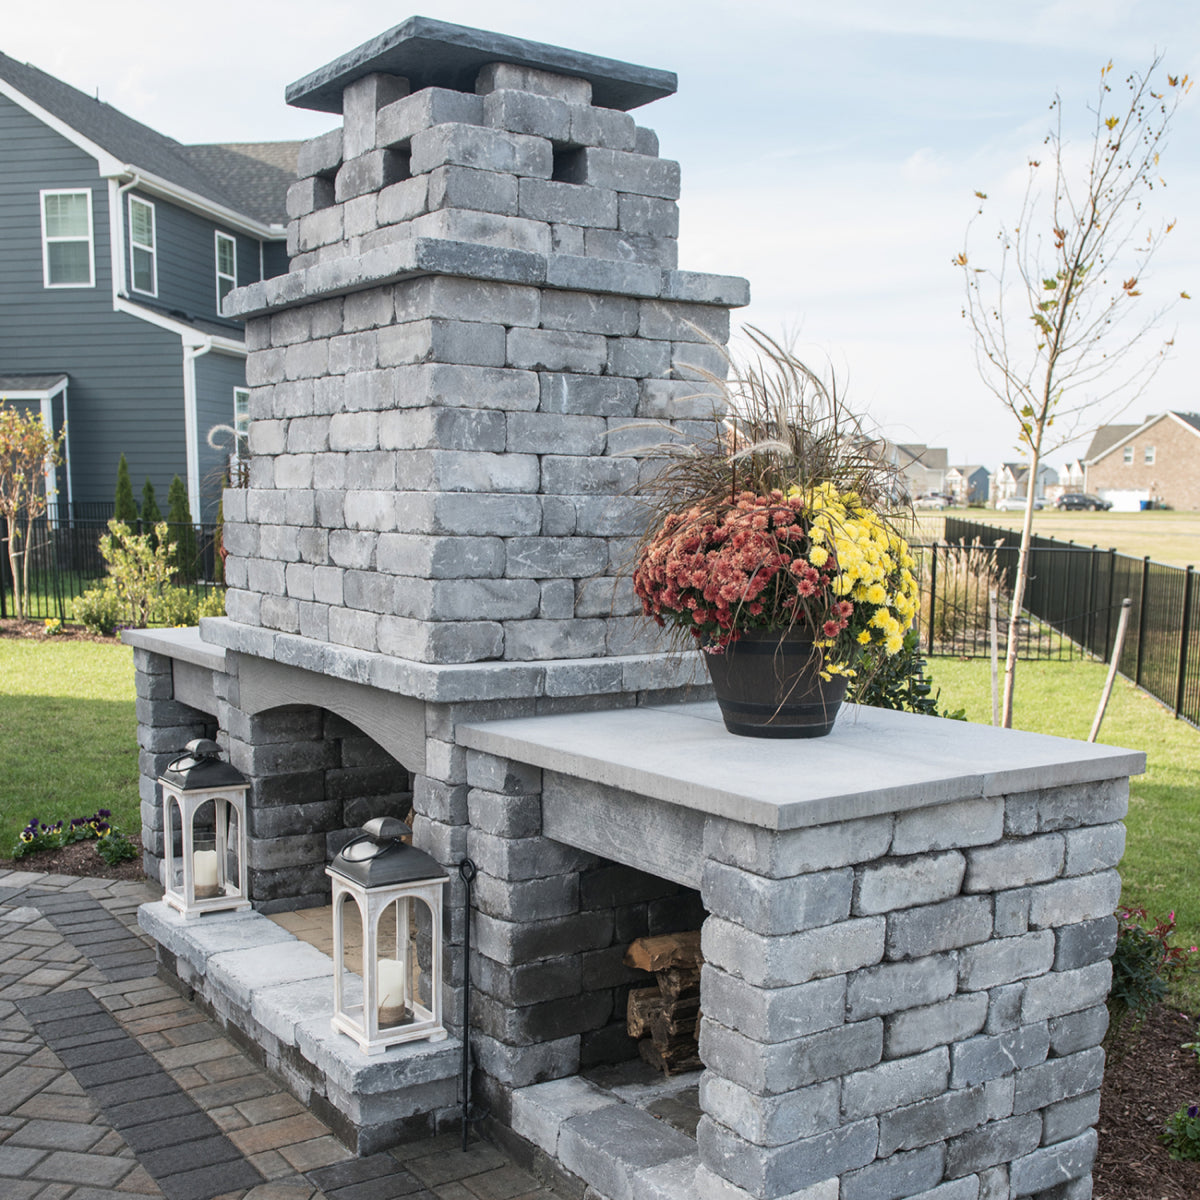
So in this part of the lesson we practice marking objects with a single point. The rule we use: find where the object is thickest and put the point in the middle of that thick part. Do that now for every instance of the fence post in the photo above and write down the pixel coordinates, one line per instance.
(1089, 619)
(1137, 671)
(932, 591)
(1184, 633)
(1108, 606)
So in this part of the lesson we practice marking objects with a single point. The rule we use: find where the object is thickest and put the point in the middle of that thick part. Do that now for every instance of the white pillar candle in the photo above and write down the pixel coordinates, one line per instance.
(204, 872)
(392, 992)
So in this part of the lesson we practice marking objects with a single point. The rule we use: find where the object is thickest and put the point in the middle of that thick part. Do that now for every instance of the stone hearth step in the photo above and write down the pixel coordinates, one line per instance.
(277, 992)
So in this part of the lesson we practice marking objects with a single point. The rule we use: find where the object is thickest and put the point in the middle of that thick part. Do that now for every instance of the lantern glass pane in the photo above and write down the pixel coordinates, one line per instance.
(173, 840)
(206, 869)
(397, 966)
(233, 873)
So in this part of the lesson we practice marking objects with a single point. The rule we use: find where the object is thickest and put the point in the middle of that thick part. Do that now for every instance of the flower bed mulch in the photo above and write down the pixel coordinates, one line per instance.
(1142, 1088)
(10, 627)
(80, 858)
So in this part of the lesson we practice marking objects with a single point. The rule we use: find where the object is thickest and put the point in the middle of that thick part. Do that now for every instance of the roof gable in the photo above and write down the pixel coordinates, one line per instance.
(1105, 438)
(1189, 421)
(233, 176)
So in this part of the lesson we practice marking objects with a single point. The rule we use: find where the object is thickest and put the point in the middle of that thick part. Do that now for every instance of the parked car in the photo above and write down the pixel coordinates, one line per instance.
(933, 500)
(1074, 501)
(1017, 504)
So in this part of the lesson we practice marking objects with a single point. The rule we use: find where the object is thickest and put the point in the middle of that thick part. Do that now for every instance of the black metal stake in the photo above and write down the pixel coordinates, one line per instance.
(467, 871)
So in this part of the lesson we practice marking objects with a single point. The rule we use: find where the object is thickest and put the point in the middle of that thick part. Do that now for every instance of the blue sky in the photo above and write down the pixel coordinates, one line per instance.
(829, 151)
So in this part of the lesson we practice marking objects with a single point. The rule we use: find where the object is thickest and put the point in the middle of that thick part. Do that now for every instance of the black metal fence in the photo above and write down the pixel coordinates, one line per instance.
(65, 560)
(1072, 607)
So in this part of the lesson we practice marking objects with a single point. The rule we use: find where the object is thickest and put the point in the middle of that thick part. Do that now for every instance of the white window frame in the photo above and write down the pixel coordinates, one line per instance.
(1128, 456)
(241, 421)
(151, 249)
(47, 240)
(222, 276)
(1148, 456)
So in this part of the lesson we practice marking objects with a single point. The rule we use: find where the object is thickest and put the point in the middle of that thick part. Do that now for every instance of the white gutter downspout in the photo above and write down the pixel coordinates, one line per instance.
(191, 422)
(118, 230)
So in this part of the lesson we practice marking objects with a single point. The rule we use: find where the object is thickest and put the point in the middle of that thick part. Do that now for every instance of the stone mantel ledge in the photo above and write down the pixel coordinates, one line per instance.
(874, 761)
(413, 257)
(456, 682)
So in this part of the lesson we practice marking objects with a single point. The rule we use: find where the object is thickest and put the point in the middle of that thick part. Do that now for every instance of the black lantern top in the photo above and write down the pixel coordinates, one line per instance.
(200, 768)
(380, 859)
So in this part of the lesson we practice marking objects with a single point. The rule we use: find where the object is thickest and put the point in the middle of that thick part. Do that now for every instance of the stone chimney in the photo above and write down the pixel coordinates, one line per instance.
(484, 302)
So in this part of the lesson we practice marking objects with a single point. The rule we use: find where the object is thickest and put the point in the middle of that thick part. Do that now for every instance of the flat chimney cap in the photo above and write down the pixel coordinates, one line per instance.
(432, 53)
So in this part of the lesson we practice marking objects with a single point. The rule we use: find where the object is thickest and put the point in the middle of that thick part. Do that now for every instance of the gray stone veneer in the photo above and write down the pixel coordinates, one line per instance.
(450, 387)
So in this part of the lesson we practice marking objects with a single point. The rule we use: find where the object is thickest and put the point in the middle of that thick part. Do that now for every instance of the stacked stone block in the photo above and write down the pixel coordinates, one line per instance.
(525, 163)
(451, 387)
(314, 780)
(164, 727)
(913, 1004)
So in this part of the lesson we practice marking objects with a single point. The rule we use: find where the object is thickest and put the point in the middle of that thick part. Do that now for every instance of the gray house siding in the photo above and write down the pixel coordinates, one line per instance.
(125, 397)
(126, 372)
(187, 263)
(216, 377)
(275, 259)
(34, 157)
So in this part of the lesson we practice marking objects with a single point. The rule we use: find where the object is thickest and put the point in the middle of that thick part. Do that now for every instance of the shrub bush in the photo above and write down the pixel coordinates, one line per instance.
(99, 609)
(901, 684)
(1143, 963)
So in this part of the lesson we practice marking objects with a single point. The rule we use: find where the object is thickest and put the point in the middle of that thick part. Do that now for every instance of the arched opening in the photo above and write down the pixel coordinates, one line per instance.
(316, 779)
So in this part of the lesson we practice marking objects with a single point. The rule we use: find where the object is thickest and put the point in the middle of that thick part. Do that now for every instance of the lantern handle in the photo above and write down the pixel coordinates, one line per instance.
(386, 829)
(198, 749)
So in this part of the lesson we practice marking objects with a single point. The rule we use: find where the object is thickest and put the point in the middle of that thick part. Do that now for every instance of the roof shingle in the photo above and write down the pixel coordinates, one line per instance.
(248, 178)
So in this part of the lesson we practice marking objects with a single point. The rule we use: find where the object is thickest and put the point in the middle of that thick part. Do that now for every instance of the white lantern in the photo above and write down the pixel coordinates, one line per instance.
(204, 813)
(385, 879)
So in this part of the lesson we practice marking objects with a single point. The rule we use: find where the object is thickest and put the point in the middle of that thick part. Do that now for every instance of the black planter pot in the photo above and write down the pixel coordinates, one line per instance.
(769, 685)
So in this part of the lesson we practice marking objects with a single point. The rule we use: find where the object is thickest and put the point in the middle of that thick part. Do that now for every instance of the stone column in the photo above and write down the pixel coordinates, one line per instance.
(164, 727)
(912, 1005)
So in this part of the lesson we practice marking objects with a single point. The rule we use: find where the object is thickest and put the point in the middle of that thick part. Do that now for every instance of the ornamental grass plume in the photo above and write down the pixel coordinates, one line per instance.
(781, 518)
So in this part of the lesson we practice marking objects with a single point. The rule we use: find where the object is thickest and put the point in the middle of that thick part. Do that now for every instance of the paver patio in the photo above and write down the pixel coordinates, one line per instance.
(113, 1085)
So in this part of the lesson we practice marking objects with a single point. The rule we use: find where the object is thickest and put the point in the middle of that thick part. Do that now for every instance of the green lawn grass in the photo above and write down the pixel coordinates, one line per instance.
(68, 734)
(1162, 851)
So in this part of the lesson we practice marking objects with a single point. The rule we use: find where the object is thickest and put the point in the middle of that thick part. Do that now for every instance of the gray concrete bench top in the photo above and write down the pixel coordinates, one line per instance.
(184, 644)
(873, 762)
(431, 53)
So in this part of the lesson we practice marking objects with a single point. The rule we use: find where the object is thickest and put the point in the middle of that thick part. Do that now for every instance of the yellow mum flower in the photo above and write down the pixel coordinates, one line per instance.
(818, 556)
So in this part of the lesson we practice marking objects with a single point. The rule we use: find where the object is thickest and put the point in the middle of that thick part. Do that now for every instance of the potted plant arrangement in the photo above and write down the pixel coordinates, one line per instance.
(773, 546)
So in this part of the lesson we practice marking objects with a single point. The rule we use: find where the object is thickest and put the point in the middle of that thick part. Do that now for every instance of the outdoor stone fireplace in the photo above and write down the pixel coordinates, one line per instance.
(906, 924)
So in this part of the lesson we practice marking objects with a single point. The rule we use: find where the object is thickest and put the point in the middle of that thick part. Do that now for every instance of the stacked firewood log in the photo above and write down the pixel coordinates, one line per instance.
(666, 1018)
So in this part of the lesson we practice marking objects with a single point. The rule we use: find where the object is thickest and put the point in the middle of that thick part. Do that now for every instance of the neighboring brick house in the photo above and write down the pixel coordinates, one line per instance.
(1157, 461)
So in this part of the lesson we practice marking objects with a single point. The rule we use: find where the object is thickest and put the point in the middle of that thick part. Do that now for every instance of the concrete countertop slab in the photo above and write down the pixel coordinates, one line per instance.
(184, 644)
(873, 762)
